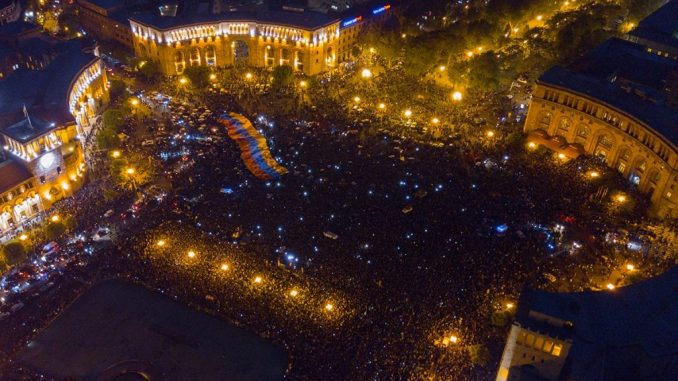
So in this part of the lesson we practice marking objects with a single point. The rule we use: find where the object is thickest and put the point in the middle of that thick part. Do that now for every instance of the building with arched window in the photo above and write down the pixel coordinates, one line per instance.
(310, 42)
(619, 103)
(45, 116)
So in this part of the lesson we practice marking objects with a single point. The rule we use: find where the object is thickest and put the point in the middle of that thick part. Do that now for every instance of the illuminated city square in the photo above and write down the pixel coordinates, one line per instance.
(339, 190)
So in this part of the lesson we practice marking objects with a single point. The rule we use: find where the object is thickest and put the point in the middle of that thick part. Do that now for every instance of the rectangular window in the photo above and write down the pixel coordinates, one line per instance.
(530, 340)
(548, 346)
(556, 350)
(539, 343)
(521, 338)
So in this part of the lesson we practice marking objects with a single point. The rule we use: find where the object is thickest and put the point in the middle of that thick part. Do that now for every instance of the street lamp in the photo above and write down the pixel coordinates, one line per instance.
(630, 267)
(55, 218)
(408, 113)
(531, 145)
(366, 73)
(490, 134)
(134, 102)
(191, 254)
(258, 279)
(183, 80)
(435, 121)
(382, 106)
(224, 267)
(23, 237)
(130, 171)
(454, 339)
(329, 307)
(294, 293)
(248, 75)
(115, 154)
(456, 96)
(303, 84)
(356, 99)
(441, 68)
(161, 243)
(213, 76)
(620, 198)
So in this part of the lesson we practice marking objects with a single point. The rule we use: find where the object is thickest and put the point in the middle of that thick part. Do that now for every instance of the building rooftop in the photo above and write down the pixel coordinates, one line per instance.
(44, 92)
(16, 28)
(303, 20)
(12, 173)
(661, 26)
(626, 334)
(24, 131)
(623, 75)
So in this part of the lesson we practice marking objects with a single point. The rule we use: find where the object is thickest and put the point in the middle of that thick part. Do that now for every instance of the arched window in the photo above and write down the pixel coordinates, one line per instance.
(194, 57)
(563, 127)
(284, 56)
(179, 63)
(583, 134)
(623, 160)
(269, 56)
(603, 146)
(545, 119)
(330, 57)
(210, 55)
(299, 61)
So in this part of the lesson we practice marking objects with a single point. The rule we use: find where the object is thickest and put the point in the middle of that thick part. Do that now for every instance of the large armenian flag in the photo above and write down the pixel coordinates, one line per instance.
(253, 148)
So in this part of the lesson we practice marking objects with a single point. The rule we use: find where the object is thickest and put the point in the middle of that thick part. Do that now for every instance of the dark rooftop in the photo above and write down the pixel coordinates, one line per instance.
(303, 20)
(16, 28)
(116, 327)
(661, 26)
(12, 173)
(44, 92)
(623, 75)
(626, 334)
(23, 131)
(108, 4)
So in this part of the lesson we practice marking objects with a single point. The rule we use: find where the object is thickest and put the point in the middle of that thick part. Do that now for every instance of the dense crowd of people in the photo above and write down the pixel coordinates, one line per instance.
(383, 241)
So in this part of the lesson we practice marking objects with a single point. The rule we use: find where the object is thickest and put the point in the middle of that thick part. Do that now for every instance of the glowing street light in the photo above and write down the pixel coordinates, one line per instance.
(183, 80)
(540, 17)
(161, 243)
(191, 254)
(561, 156)
(509, 306)
(224, 267)
(23, 237)
(248, 76)
(594, 174)
(55, 218)
(115, 154)
(630, 267)
(441, 68)
(366, 73)
(435, 120)
(130, 171)
(407, 113)
(356, 99)
(329, 307)
(490, 134)
(294, 293)
(258, 279)
(456, 96)
(382, 106)
(213, 76)
(620, 198)
(610, 286)
(531, 145)
(454, 339)
(134, 102)
(303, 84)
